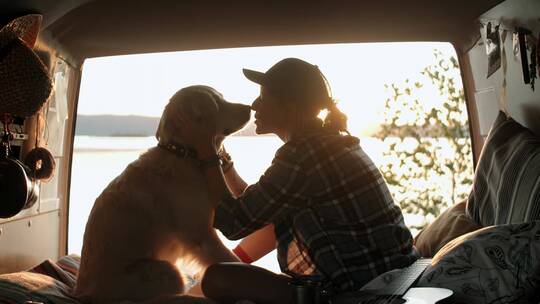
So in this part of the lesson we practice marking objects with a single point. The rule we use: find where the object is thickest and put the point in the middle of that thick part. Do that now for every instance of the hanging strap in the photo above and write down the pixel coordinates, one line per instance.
(503, 99)
(6, 137)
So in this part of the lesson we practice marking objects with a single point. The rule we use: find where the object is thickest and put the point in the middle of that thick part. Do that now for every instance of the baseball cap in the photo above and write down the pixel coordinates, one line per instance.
(293, 79)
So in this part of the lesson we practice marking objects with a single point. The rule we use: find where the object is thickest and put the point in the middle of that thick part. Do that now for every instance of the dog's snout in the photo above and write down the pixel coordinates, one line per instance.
(235, 117)
(245, 112)
(247, 109)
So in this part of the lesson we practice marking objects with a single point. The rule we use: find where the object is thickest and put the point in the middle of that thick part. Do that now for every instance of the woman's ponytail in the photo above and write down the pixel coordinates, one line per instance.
(335, 119)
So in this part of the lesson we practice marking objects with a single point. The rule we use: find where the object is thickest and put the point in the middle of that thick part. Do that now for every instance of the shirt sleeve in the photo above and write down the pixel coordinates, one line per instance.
(280, 191)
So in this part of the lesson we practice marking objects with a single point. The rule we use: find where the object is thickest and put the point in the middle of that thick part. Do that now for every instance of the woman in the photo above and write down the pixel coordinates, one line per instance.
(334, 219)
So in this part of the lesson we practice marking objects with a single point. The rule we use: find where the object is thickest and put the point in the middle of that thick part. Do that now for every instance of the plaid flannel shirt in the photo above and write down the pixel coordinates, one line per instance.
(334, 217)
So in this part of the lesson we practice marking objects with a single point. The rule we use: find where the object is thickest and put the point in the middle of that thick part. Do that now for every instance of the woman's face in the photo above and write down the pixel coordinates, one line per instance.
(270, 113)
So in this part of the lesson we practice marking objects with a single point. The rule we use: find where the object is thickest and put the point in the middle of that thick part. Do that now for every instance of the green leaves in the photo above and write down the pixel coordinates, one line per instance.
(428, 161)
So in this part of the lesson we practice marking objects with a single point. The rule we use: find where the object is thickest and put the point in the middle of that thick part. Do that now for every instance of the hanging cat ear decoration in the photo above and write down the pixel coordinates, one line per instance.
(493, 49)
(538, 53)
(531, 46)
(522, 32)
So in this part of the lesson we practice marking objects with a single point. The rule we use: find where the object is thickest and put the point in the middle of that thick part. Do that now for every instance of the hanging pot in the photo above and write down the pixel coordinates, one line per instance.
(17, 190)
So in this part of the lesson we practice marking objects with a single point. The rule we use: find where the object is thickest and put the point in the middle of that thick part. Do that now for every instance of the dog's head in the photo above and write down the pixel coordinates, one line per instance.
(202, 105)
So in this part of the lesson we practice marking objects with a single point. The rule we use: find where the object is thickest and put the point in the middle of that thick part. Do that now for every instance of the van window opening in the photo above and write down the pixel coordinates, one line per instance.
(402, 100)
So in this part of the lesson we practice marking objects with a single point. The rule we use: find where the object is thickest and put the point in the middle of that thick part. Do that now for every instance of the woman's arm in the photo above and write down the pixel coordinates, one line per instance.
(281, 189)
(256, 245)
(235, 183)
(217, 187)
(259, 243)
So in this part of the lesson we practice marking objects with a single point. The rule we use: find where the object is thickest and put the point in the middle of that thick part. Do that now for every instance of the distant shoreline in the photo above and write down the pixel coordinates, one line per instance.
(87, 144)
(129, 126)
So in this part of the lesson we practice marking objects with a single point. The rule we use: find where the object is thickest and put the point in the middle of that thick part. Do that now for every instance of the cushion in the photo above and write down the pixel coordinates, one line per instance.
(48, 282)
(497, 264)
(20, 287)
(450, 224)
(506, 187)
(54, 270)
(70, 264)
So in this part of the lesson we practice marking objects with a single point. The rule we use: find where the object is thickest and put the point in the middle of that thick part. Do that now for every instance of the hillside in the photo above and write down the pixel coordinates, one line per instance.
(113, 125)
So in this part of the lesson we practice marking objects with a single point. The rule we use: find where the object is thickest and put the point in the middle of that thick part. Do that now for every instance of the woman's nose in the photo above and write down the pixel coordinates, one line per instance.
(255, 103)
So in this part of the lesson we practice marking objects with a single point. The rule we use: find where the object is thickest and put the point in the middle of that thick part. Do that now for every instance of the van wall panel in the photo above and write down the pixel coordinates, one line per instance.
(39, 233)
(24, 213)
(29, 241)
(486, 103)
(49, 195)
(522, 103)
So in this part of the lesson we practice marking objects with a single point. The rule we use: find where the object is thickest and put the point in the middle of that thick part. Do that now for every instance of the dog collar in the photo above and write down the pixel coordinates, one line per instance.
(179, 150)
(212, 161)
(188, 152)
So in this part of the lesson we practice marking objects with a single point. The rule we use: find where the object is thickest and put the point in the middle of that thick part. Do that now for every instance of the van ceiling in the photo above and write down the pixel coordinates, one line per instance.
(112, 27)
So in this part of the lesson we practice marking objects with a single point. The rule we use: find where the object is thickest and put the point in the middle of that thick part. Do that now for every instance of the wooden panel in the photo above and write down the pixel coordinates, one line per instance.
(29, 241)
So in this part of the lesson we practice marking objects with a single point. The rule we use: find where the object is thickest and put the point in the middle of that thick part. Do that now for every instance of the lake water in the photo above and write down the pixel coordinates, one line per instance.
(98, 160)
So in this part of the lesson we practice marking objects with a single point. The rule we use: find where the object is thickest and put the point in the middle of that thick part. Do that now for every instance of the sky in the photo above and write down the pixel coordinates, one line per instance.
(142, 84)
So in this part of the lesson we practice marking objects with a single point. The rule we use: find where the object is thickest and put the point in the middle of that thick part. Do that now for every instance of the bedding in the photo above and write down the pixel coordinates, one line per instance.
(493, 265)
(21, 287)
(497, 264)
(48, 283)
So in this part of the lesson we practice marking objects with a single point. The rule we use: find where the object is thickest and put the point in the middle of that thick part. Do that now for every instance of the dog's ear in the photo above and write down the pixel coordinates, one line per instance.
(200, 105)
(196, 104)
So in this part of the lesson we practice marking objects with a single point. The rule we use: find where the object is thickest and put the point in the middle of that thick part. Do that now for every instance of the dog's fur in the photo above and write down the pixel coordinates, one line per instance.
(157, 214)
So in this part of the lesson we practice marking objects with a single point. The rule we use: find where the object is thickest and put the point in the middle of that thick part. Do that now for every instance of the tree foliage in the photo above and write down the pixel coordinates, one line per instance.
(428, 160)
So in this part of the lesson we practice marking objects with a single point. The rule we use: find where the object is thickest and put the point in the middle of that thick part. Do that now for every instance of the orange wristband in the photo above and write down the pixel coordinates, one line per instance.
(242, 255)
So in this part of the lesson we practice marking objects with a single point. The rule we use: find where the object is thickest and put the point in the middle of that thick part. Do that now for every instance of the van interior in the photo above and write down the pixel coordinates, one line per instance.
(77, 30)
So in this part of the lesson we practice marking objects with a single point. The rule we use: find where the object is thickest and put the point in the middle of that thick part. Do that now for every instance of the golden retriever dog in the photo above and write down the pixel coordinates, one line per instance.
(156, 214)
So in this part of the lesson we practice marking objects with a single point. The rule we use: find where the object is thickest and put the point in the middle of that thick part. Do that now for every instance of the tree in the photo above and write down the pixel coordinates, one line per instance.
(428, 159)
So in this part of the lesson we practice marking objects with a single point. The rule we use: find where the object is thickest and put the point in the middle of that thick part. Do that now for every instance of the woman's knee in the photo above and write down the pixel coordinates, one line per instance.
(228, 282)
(213, 280)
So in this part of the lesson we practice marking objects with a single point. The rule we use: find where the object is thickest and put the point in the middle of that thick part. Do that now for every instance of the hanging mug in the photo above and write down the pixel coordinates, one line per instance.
(17, 190)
